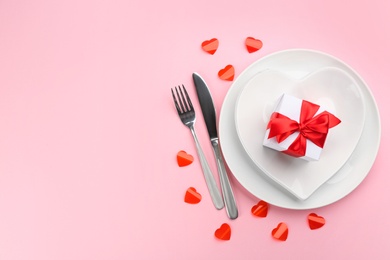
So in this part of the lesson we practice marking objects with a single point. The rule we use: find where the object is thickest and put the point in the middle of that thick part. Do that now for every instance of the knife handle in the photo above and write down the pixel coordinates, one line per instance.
(208, 175)
(228, 196)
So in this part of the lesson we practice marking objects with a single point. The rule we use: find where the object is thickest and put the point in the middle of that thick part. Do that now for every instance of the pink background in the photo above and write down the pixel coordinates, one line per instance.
(89, 134)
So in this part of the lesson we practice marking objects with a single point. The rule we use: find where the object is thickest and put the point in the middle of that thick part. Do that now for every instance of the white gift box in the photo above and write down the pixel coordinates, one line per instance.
(290, 106)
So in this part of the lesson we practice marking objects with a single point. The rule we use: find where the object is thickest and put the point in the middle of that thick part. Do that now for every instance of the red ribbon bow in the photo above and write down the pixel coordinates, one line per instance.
(313, 128)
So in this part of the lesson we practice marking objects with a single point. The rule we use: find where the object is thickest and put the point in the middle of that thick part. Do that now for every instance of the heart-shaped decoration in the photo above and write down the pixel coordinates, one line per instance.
(280, 232)
(192, 196)
(227, 73)
(253, 44)
(223, 232)
(184, 159)
(210, 46)
(315, 221)
(260, 209)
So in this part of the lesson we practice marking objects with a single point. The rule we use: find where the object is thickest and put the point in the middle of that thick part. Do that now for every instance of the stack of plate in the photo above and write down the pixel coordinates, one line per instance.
(279, 179)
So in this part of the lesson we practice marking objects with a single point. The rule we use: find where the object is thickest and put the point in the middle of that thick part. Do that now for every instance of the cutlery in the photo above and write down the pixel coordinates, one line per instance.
(208, 110)
(187, 116)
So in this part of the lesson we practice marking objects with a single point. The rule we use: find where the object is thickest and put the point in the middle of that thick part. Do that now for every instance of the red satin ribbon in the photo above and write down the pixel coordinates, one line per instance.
(313, 128)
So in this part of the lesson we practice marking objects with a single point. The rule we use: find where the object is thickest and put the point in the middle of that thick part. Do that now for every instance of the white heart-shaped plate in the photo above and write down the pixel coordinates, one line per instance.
(328, 87)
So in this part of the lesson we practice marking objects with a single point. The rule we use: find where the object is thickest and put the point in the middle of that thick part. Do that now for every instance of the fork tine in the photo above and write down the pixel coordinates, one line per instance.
(180, 100)
(184, 100)
(175, 100)
(188, 98)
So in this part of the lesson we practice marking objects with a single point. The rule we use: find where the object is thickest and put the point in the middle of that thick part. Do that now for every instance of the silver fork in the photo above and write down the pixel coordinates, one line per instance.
(187, 115)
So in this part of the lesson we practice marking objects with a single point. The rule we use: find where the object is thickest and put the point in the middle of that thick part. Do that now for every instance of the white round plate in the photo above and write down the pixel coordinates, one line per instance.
(332, 89)
(298, 63)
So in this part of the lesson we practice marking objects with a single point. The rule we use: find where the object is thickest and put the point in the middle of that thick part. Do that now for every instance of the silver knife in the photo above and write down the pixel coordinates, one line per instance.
(208, 110)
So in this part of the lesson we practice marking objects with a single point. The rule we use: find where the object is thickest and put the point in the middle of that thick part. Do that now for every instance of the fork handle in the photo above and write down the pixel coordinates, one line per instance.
(208, 175)
(228, 196)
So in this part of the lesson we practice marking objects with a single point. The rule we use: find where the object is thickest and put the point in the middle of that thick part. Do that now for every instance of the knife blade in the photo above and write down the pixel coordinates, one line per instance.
(209, 115)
